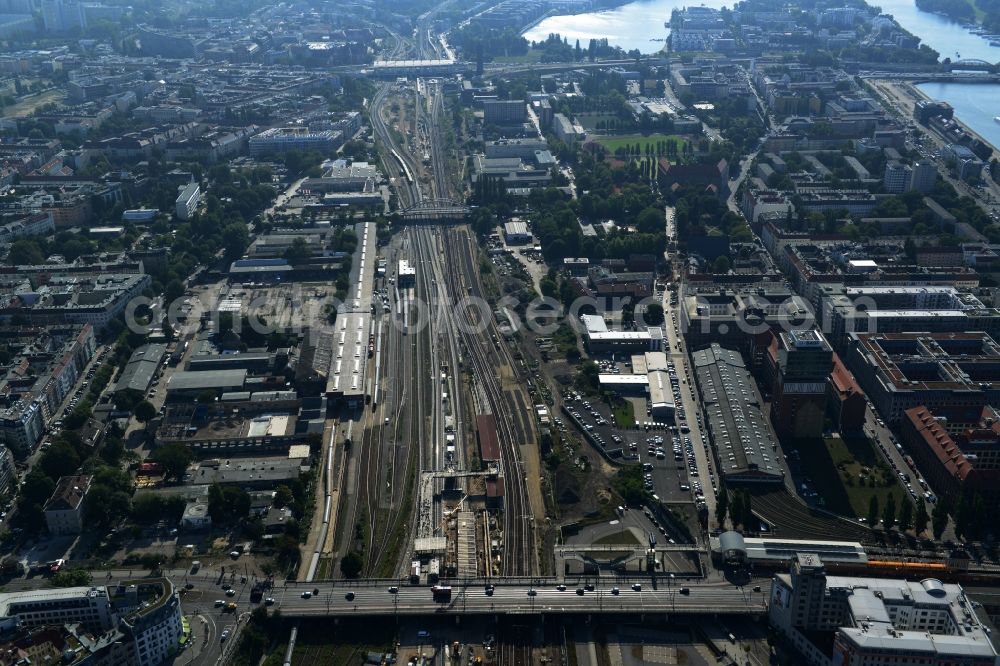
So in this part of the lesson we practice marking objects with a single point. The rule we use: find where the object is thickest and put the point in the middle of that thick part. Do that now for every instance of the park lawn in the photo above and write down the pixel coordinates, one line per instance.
(834, 466)
(533, 55)
(624, 413)
(28, 105)
(612, 143)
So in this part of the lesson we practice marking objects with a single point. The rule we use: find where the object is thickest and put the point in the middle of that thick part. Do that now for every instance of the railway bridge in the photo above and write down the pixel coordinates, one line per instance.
(432, 211)
(971, 65)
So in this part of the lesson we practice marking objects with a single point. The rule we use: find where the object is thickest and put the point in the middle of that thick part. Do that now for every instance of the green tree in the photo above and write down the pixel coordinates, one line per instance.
(921, 519)
(173, 459)
(282, 496)
(721, 264)
(298, 252)
(168, 331)
(173, 291)
(147, 508)
(889, 513)
(963, 516)
(939, 518)
(628, 483)
(654, 314)
(590, 374)
(227, 504)
(747, 510)
(351, 565)
(651, 220)
(735, 508)
(905, 516)
(145, 412)
(235, 239)
(78, 416)
(721, 506)
(873, 511)
(104, 506)
(288, 552)
(37, 486)
(24, 252)
(61, 459)
(71, 578)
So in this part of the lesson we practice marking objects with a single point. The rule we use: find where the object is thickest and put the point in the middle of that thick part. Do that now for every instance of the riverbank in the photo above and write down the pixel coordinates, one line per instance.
(942, 34)
(902, 97)
(547, 15)
(917, 94)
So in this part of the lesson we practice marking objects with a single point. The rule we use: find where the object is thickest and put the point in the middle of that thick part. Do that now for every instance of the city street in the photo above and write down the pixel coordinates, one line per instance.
(677, 353)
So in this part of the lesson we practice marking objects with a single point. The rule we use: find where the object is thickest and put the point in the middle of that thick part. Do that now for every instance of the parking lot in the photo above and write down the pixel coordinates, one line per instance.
(670, 475)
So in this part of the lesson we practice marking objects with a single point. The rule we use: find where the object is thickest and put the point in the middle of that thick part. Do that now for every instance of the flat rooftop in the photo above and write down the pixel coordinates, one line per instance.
(926, 361)
(206, 380)
(41, 595)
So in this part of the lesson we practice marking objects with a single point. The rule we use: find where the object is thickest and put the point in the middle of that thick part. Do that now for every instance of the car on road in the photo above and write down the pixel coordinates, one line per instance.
(579, 591)
(230, 592)
(219, 603)
(561, 588)
(614, 591)
(393, 590)
(532, 593)
(269, 601)
(636, 587)
(307, 594)
(224, 636)
(349, 596)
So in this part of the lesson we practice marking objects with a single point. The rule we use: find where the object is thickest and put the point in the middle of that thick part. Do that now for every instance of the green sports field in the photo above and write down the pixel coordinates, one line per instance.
(612, 143)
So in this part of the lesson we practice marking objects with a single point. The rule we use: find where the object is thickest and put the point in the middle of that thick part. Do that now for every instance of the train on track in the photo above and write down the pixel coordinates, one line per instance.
(953, 570)
(404, 169)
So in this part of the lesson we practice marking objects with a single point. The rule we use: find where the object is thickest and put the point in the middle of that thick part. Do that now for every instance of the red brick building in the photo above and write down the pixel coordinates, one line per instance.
(845, 401)
(964, 456)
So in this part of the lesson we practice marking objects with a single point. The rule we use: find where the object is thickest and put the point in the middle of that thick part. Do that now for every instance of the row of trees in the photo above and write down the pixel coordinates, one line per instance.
(738, 507)
(906, 517)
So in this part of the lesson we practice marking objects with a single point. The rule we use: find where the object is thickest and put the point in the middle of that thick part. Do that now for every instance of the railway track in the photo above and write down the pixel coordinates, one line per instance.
(386, 466)
(406, 187)
(439, 159)
(488, 356)
(390, 454)
(513, 654)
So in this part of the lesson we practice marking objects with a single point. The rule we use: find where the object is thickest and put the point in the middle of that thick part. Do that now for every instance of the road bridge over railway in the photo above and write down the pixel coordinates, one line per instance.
(520, 596)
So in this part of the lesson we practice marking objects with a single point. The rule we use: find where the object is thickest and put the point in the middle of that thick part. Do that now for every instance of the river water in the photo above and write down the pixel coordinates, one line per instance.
(631, 26)
(636, 24)
(975, 105)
